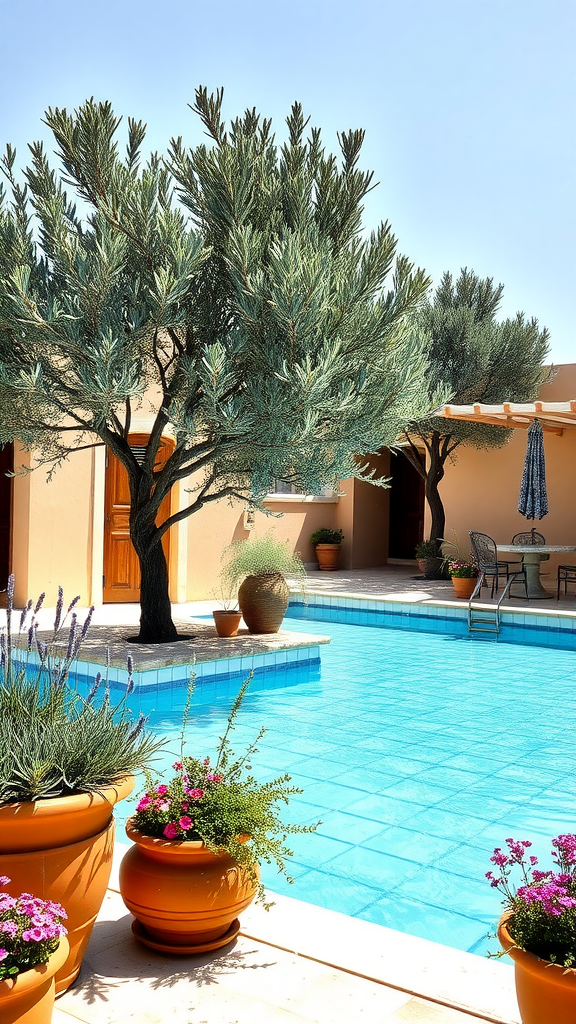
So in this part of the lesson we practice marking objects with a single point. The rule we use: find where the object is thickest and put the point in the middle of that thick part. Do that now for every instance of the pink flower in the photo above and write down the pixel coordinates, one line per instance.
(144, 802)
(171, 830)
(214, 778)
(10, 927)
(195, 794)
(177, 766)
(185, 822)
(3, 954)
(164, 806)
(162, 790)
(185, 805)
(34, 935)
(4, 879)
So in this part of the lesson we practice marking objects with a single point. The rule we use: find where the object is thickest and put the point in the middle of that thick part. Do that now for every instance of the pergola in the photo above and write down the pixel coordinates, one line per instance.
(554, 416)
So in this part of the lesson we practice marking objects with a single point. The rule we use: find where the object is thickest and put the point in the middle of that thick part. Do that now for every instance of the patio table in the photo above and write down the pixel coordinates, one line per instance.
(532, 555)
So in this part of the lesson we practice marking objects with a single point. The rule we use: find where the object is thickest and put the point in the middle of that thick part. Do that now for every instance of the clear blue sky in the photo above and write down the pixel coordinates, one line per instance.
(468, 105)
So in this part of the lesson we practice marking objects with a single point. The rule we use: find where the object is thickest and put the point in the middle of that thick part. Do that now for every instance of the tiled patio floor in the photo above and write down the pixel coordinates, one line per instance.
(286, 967)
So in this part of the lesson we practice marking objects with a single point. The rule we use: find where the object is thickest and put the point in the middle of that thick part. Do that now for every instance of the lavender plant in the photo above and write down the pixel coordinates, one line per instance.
(53, 740)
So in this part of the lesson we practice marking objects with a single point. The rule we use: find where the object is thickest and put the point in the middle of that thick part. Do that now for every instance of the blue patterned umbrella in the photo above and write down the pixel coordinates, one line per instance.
(533, 501)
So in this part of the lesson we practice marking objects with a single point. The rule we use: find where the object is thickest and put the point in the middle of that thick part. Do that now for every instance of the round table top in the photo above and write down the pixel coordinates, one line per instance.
(534, 549)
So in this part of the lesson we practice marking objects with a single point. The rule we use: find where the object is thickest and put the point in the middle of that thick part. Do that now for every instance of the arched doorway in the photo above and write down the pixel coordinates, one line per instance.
(6, 466)
(121, 582)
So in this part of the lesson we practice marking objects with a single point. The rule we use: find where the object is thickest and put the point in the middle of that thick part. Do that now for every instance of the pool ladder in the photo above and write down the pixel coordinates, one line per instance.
(487, 620)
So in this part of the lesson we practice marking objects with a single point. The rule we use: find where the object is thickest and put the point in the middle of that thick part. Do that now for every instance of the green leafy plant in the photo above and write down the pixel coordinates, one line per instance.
(457, 564)
(262, 556)
(543, 907)
(221, 803)
(427, 549)
(30, 931)
(54, 741)
(326, 536)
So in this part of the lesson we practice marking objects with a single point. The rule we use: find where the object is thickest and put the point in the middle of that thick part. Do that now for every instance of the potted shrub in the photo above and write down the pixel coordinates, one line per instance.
(464, 575)
(33, 947)
(227, 618)
(260, 567)
(327, 543)
(538, 928)
(199, 837)
(429, 561)
(65, 760)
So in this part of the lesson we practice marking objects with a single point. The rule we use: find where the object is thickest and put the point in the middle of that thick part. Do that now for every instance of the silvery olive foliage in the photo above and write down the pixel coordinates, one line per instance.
(228, 290)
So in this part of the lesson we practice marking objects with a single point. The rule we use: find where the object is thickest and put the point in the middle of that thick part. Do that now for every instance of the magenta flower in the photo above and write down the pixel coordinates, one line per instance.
(165, 805)
(34, 935)
(195, 794)
(185, 822)
(162, 790)
(4, 879)
(144, 802)
(171, 830)
(10, 927)
(211, 777)
(177, 766)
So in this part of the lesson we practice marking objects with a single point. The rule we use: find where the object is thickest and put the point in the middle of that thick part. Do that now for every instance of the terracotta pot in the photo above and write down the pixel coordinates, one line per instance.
(327, 555)
(227, 622)
(185, 899)
(28, 998)
(431, 567)
(263, 602)
(61, 849)
(464, 586)
(546, 995)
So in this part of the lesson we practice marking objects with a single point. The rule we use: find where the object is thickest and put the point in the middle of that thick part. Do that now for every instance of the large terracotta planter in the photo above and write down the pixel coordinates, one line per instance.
(263, 602)
(546, 993)
(464, 586)
(431, 567)
(61, 849)
(185, 899)
(226, 622)
(327, 555)
(28, 998)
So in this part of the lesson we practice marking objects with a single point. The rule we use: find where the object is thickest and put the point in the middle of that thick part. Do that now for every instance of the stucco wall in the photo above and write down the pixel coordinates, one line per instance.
(480, 488)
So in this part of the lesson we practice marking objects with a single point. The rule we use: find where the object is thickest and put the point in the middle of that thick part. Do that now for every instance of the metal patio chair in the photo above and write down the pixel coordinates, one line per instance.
(566, 575)
(530, 537)
(486, 556)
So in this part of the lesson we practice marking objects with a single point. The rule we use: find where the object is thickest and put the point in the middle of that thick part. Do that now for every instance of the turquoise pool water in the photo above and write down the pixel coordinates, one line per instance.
(419, 752)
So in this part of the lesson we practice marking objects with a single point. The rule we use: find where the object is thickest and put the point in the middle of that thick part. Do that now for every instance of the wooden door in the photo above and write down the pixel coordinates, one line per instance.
(121, 566)
(6, 466)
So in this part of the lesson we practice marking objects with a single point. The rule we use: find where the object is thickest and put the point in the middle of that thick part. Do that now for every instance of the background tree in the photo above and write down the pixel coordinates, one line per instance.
(473, 357)
(229, 284)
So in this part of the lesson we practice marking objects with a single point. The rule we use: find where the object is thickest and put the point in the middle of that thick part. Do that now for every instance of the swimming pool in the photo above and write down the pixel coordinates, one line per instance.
(419, 752)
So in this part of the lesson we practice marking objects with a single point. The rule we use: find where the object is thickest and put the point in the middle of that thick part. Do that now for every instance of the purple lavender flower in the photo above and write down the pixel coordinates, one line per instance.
(59, 607)
(39, 603)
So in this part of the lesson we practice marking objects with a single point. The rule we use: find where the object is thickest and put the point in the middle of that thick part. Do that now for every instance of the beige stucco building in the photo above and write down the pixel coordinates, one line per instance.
(55, 532)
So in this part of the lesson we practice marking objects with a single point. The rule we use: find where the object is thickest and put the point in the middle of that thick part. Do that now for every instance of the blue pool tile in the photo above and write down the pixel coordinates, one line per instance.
(417, 791)
(384, 809)
(442, 889)
(334, 892)
(453, 778)
(348, 827)
(331, 795)
(416, 918)
(436, 821)
(410, 845)
(468, 861)
(470, 803)
(311, 849)
(372, 867)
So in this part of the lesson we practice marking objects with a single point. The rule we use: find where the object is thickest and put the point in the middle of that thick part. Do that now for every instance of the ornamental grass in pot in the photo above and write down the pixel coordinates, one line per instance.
(65, 760)
(33, 947)
(538, 928)
(327, 544)
(199, 837)
(260, 566)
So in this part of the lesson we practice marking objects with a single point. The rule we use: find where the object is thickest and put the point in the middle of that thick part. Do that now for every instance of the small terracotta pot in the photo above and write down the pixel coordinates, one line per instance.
(28, 998)
(546, 992)
(327, 555)
(226, 622)
(263, 602)
(61, 849)
(185, 898)
(464, 586)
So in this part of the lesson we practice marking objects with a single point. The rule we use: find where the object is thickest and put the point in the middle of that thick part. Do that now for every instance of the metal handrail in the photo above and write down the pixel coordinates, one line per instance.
(512, 579)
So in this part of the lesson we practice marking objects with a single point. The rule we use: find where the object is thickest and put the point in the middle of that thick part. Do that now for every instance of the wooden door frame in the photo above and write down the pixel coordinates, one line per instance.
(135, 438)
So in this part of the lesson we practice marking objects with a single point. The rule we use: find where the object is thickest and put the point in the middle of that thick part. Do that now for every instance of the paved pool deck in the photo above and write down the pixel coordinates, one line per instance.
(296, 964)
